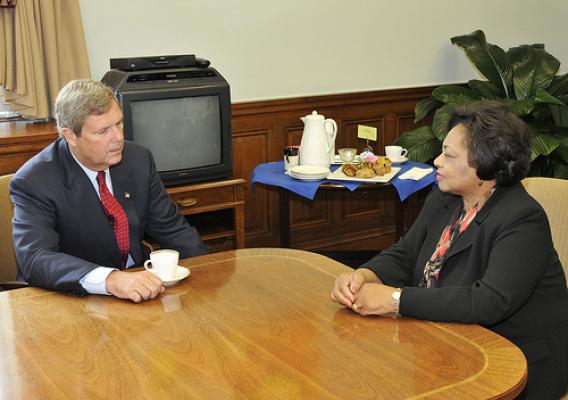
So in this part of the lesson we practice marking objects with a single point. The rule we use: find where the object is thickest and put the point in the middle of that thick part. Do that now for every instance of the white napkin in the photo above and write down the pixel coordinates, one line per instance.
(415, 173)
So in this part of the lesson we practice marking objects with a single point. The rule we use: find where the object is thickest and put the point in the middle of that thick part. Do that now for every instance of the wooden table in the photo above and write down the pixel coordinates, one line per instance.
(250, 323)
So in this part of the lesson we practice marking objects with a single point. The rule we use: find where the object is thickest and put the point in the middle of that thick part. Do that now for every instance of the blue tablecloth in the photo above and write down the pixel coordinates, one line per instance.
(273, 174)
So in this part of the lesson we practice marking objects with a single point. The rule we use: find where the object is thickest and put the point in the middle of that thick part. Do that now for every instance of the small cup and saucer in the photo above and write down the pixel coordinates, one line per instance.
(165, 266)
(347, 155)
(397, 154)
(400, 160)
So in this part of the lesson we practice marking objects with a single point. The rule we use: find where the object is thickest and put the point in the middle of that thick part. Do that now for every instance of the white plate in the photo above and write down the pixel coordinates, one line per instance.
(181, 273)
(338, 175)
(309, 177)
(309, 172)
(400, 160)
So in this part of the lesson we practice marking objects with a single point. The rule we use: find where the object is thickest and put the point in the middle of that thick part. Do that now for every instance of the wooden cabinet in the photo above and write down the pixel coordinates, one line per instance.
(216, 209)
(20, 141)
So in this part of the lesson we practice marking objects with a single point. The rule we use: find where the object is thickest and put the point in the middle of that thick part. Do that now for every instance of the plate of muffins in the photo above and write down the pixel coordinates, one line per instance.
(373, 169)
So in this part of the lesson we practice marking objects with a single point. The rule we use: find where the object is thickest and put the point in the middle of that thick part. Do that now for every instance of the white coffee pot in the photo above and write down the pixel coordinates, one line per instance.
(318, 140)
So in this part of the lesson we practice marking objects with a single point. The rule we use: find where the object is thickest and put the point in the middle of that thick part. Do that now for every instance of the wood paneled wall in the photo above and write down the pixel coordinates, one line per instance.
(336, 220)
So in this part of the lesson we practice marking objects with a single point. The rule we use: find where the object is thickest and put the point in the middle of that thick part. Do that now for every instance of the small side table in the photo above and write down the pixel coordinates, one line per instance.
(406, 207)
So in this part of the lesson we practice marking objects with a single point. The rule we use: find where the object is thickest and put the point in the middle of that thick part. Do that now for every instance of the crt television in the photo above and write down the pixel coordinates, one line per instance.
(183, 115)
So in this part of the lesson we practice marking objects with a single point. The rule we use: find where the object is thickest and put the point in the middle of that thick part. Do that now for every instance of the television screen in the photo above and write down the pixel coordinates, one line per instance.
(183, 115)
(192, 126)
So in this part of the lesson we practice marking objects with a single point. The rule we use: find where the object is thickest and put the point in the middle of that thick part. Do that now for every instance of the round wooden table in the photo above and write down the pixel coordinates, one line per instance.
(246, 324)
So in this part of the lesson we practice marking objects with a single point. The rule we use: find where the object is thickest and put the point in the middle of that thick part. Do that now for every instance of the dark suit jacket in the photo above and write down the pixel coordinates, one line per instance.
(61, 231)
(502, 272)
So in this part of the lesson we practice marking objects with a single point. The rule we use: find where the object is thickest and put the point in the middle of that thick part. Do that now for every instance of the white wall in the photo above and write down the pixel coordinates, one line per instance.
(271, 49)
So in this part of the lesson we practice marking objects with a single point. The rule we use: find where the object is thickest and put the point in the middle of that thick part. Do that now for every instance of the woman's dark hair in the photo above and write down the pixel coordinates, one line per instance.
(498, 141)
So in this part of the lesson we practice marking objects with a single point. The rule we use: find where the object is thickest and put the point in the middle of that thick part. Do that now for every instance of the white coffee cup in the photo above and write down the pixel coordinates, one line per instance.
(395, 153)
(164, 263)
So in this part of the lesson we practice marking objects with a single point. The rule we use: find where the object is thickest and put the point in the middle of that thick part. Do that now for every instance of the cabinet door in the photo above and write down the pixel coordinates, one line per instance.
(341, 220)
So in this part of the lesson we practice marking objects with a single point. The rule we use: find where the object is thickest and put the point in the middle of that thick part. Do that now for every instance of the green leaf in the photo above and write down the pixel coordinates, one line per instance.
(440, 121)
(561, 151)
(559, 114)
(455, 94)
(485, 89)
(541, 113)
(559, 85)
(491, 61)
(421, 144)
(533, 67)
(423, 107)
(519, 107)
(542, 96)
(542, 143)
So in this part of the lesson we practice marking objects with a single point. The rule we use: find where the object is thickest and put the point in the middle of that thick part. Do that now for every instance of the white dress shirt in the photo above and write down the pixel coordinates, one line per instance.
(95, 281)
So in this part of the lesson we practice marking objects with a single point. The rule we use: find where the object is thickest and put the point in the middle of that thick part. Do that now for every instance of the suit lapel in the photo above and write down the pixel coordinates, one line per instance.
(467, 238)
(84, 199)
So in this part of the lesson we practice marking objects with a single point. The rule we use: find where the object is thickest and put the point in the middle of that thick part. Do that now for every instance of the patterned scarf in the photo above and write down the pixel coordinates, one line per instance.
(459, 223)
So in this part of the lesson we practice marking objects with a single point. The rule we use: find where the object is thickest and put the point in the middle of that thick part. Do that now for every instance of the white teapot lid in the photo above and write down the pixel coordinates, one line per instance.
(315, 116)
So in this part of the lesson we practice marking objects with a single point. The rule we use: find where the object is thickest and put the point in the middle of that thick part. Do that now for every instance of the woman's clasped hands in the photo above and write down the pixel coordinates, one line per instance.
(363, 292)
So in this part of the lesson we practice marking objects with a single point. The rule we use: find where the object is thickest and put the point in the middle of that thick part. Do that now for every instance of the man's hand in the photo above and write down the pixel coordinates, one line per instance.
(136, 286)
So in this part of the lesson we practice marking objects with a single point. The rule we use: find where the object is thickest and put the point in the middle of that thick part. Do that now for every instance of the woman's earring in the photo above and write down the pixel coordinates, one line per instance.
(480, 183)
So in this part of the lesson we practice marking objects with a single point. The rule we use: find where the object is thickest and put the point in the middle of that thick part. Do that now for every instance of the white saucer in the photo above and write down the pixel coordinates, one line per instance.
(181, 273)
(337, 160)
(400, 160)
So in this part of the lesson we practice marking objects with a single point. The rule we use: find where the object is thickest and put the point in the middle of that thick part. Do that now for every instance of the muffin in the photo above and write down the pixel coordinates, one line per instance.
(382, 166)
(349, 169)
(366, 171)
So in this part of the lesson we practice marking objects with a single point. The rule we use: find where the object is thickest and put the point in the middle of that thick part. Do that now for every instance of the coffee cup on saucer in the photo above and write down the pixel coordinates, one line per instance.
(347, 154)
(164, 263)
(396, 153)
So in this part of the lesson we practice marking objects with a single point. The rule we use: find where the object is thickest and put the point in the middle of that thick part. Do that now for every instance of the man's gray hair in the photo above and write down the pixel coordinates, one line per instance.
(77, 100)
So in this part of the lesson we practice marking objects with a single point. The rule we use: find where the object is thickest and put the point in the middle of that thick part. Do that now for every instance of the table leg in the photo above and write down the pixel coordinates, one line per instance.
(399, 218)
(405, 212)
(284, 218)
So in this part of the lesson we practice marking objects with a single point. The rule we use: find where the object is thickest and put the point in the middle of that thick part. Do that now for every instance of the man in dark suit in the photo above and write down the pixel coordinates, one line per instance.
(66, 238)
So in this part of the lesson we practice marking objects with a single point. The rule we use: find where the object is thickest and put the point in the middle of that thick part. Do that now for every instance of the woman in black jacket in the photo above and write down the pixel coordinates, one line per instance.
(480, 252)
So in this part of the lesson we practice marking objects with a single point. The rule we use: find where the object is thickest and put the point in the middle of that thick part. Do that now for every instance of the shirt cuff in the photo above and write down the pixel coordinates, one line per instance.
(95, 281)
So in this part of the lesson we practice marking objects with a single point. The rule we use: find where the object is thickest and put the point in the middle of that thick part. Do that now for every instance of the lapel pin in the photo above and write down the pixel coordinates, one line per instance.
(127, 195)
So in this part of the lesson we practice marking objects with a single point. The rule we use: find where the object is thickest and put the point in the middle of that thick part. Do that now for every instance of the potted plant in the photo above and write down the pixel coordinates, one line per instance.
(526, 79)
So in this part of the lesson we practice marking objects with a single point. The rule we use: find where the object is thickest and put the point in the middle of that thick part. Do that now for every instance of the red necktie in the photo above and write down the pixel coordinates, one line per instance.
(117, 218)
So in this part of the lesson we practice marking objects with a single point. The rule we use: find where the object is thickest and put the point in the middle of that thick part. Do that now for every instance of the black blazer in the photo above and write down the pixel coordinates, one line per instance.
(61, 231)
(502, 273)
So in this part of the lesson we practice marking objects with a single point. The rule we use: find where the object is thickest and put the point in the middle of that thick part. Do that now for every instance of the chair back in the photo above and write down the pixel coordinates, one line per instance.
(552, 194)
(8, 264)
